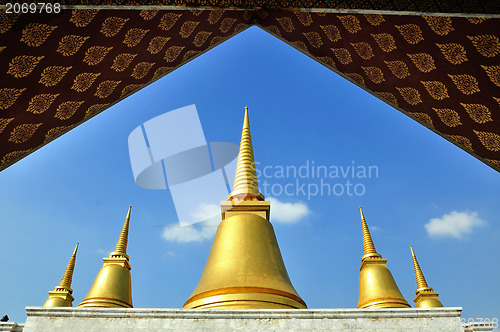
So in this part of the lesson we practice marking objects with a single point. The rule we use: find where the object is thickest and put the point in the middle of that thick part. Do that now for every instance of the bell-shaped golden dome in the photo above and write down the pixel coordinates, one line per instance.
(426, 297)
(245, 268)
(61, 296)
(377, 288)
(113, 287)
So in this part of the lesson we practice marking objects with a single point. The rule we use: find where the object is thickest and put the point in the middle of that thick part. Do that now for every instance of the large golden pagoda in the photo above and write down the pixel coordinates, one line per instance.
(61, 296)
(112, 287)
(377, 288)
(245, 268)
(425, 296)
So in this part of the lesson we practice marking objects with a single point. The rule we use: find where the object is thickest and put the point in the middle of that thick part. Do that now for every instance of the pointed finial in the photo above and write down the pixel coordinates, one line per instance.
(421, 282)
(369, 247)
(68, 273)
(245, 180)
(121, 245)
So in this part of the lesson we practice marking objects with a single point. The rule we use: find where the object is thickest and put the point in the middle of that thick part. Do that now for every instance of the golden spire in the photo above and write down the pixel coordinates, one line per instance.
(121, 245)
(426, 297)
(368, 246)
(245, 180)
(377, 288)
(113, 286)
(245, 268)
(61, 295)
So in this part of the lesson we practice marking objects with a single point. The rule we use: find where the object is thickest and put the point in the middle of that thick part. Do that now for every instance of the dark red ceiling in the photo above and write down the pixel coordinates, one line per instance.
(58, 70)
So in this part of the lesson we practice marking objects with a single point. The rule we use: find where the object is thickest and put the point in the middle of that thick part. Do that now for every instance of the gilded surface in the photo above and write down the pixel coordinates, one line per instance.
(67, 109)
(449, 117)
(35, 34)
(440, 24)
(491, 141)
(331, 32)
(122, 61)
(423, 61)
(40, 103)
(464, 141)
(22, 133)
(70, 44)
(375, 74)
(82, 17)
(486, 45)
(53, 75)
(8, 97)
(398, 68)
(134, 36)
(479, 113)
(467, 84)
(105, 88)
(112, 26)
(84, 81)
(95, 54)
(436, 90)
(411, 33)
(364, 50)
(410, 95)
(350, 23)
(493, 73)
(385, 41)
(23, 65)
(454, 53)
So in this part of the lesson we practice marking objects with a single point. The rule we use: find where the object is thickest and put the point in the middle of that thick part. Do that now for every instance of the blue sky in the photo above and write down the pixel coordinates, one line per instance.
(427, 192)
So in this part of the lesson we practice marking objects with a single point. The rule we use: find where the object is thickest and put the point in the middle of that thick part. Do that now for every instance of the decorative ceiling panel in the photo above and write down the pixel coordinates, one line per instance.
(58, 70)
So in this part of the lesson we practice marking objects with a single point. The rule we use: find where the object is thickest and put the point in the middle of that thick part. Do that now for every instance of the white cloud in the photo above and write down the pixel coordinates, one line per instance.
(206, 211)
(454, 224)
(191, 233)
(287, 212)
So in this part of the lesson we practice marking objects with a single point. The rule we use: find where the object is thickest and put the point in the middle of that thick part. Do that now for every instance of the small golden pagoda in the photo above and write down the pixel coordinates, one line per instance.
(61, 295)
(113, 287)
(245, 268)
(377, 288)
(426, 297)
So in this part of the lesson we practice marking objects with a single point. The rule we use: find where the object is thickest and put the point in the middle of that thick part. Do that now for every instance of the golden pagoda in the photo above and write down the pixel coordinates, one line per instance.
(426, 297)
(61, 295)
(377, 288)
(245, 268)
(112, 287)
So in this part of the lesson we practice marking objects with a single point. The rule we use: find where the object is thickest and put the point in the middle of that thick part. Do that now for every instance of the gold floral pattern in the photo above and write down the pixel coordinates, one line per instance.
(476, 20)
(329, 61)
(67, 109)
(8, 97)
(273, 29)
(94, 109)
(313, 38)
(84, 81)
(494, 162)
(23, 132)
(112, 25)
(331, 32)
(95, 54)
(172, 53)
(122, 61)
(497, 100)
(440, 24)
(410, 95)
(454, 53)
(448, 116)
(216, 40)
(374, 19)
(350, 23)
(389, 96)
(467, 84)
(156, 44)
(398, 68)
(129, 88)
(486, 45)
(70, 44)
(491, 141)
(134, 36)
(35, 34)
(148, 14)
(161, 71)
(479, 113)
(423, 117)
(493, 73)
(357, 77)
(423, 61)
(23, 65)
(7, 21)
(436, 89)
(40, 103)
(385, 41)
(411, 33)
(2, 48)
(56, 131)
(200, 38)
(189, 54)
(364, 50)
(9, 157)
(141, 69)
(168, 20)
(304, 18)
(4, 123)
(342, 55)
(187, 28)
(464, 141)
(215, 16)
(375, 74)
(105, 88)
(226, 24)
(82, 17)
(300, 45)
(53, 75)
(286, 23)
